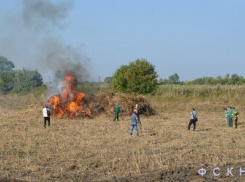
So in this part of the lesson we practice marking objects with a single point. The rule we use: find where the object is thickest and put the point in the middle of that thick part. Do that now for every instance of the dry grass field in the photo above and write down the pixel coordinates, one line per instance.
(99, 149)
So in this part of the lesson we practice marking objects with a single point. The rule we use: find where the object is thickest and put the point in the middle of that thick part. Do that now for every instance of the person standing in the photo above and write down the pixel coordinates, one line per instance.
(235, 117)
(116, 112)
(134, 121)
(46, 115)
(230, 124)
(137, 111)
(193, 119)
(226, 115)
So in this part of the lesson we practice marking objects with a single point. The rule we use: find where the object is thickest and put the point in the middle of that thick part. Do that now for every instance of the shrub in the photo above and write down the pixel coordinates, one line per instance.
(25, 80)
(139, 76)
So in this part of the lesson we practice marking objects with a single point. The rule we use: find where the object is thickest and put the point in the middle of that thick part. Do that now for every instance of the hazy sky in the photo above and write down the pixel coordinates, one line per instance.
(193, 38)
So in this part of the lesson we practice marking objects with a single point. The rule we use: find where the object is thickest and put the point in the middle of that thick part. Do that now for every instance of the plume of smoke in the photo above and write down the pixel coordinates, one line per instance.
(54, 55)
(41, 15)
(38, 27)
(60, 59)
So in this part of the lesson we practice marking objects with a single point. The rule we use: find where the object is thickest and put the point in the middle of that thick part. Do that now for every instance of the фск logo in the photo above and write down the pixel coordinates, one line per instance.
(217, 171)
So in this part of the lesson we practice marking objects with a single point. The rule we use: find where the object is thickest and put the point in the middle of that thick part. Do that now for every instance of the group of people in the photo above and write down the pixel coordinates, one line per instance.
(231, 115)
(135, 118)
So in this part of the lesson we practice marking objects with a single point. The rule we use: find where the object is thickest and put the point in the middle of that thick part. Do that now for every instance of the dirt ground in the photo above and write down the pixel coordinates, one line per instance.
(99, 149)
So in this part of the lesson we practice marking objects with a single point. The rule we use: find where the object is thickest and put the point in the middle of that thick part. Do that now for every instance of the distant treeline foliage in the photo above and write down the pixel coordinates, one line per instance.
(17, 81)
(228, 79)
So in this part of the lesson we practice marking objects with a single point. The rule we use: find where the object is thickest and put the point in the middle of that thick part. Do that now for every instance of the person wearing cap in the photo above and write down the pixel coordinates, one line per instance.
(137, 111)
(134, 121)
(46, 115)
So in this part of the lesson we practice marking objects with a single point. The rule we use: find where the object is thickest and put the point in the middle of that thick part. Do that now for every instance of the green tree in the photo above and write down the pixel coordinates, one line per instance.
(17, 81)
(234, 79)
(25, 80)
(226, 78)
(7, 81)
(6, 75)
(108, 80)
(174, 79)
(119, 80)
(241, 80)
(5, 64)
(139, 76)
(209, 81)
(199, 81)
(163, 82)
(219, 80)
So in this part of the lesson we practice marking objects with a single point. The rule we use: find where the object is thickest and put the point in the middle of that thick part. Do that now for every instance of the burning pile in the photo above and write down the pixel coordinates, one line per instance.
(68, 102)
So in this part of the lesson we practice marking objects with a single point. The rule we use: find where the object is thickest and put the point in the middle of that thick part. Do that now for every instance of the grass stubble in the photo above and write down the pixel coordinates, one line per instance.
(99, 149)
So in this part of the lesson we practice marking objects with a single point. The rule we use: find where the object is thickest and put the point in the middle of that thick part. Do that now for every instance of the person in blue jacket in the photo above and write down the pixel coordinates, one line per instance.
(134, 121)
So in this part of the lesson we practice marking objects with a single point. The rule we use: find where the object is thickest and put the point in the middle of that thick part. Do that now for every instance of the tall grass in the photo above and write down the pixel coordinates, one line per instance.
(225, 94)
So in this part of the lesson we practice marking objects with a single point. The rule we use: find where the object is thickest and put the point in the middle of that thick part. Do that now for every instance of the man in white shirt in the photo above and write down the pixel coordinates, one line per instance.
(193, 120)
(46, 115)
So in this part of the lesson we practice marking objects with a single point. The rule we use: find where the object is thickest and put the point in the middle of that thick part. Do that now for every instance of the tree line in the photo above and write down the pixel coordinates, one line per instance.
(17, 81)
(140, 76)
(228, 79)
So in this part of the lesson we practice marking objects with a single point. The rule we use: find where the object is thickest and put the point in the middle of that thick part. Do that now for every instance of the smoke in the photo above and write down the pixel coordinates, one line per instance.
(53, 54)
(31, 37)
(44, 15)
(47, 16)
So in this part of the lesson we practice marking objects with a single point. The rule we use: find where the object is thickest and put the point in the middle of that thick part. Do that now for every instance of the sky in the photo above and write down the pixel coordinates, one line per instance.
(193, 38)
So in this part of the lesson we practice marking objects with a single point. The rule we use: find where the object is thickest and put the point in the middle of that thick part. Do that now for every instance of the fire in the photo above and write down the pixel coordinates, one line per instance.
(69, 102)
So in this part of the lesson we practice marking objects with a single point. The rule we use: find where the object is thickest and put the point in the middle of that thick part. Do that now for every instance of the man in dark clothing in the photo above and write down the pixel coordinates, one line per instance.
(116, 113)
(193, 120)
(134, 121)
(46, 115)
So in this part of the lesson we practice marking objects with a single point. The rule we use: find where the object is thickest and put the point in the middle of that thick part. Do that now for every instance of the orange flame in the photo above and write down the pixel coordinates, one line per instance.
(69, 102)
